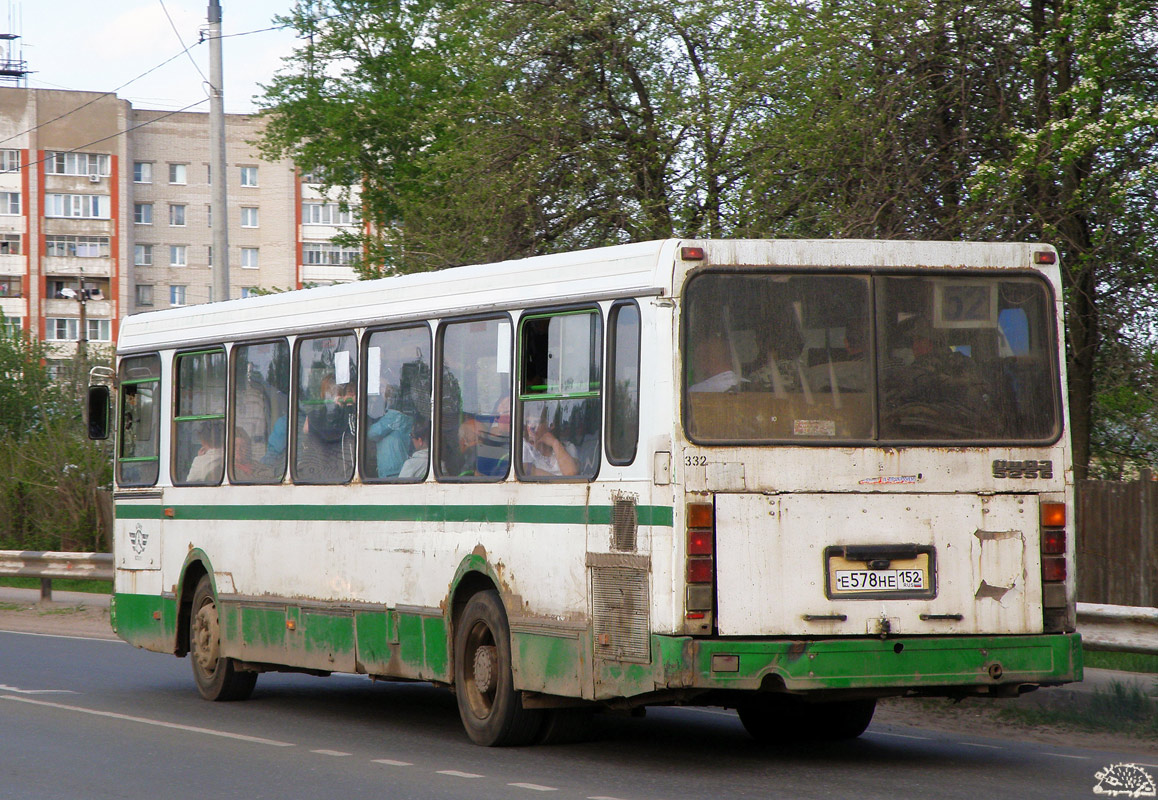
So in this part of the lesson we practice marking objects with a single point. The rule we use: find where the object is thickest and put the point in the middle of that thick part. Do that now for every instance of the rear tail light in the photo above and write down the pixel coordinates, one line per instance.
(700, 565)
(1054, 569)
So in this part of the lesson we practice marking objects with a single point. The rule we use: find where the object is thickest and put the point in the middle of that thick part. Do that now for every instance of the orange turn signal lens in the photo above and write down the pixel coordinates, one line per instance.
(700, 515)
(1053, 515)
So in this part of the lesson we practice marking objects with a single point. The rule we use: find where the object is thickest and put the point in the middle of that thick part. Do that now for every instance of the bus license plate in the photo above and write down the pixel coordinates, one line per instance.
(880, 580)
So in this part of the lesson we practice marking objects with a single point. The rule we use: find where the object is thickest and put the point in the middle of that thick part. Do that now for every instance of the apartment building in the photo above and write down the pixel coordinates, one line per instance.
(105, 211)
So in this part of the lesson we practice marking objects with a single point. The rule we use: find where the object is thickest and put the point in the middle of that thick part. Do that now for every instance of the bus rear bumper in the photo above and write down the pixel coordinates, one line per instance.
(926, 665)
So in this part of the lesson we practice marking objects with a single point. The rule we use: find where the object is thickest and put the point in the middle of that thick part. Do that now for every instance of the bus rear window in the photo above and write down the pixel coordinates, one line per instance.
(818, 358)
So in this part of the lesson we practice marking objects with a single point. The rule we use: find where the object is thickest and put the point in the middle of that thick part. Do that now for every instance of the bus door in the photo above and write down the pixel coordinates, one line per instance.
(139, 500)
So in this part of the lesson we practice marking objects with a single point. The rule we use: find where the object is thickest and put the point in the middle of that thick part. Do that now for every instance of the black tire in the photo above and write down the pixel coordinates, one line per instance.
(217, 677)
(783, 719)
(567, 726)
(492, 711)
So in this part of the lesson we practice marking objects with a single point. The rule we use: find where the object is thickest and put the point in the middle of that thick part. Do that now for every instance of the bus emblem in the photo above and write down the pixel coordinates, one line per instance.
(138, 539)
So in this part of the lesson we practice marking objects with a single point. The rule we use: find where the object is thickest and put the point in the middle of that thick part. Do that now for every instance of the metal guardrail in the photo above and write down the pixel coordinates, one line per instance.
(48, 565)
(1120, 629)
(1125, 629)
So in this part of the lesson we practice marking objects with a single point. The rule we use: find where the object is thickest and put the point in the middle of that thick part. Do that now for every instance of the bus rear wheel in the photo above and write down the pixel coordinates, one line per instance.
(217, 677)
(492, 711)
(782, 719)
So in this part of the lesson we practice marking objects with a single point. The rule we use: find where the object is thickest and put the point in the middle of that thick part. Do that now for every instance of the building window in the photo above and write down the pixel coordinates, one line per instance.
(77, 164)
(249, 258)
(248, 217)
(327, 214)
(177, 215)
(248, 291)
(99, 330)
(177, 173)
(11, 286)
(142, 172)
(178, 255)
(143, 213)
(326, 254)
(249, 176)
(76, 246)
(209, 216)
(144, 294)
(209, 254)
(9, 244)
(10, 203)
(143, 255)
(61, 329)
(9, 160)
(11, 326)
(83, 206)
(177, 295)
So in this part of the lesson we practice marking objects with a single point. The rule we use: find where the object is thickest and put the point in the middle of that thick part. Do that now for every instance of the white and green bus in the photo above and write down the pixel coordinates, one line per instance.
(785, 477)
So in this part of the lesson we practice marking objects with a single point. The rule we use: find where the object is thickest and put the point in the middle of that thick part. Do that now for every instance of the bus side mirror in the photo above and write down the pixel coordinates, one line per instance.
(98, 412)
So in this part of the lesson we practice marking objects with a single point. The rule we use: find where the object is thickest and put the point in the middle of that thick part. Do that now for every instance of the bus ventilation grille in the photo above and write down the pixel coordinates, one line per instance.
(624, 522)
(620, 605)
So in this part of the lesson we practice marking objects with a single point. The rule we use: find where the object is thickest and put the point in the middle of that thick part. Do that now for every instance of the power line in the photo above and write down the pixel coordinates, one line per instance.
(100, 96)
(181, 41)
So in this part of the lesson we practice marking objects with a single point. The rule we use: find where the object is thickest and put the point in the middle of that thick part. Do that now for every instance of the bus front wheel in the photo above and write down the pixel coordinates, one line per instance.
(492, 711)
(217, 677)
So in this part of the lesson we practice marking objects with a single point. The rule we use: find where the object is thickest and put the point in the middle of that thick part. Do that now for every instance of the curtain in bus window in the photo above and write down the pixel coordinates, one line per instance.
(327, 370)
(474, 406)
(559, 400)
(260, 410)
(397, 405)
(776, 357)
(199, 418)
(966, 358)
(138, 442)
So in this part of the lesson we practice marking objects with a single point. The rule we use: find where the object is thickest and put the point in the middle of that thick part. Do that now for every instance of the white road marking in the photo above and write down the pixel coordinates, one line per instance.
(146, 721)
(534, 787)
(900, 736)
(456, 774)
(110, 639)
(600, 797)
(1066, 755)
(976, 744)
(392, 763)
(717, 711)
(4, 688)
(335, 753)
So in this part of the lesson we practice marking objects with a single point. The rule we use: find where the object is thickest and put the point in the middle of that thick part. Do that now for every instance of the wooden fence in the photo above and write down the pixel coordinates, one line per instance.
(1117, 542)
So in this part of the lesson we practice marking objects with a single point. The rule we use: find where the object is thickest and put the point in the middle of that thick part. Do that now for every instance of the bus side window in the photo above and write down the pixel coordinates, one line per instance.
(559, 406)
(397, 405)
(138, 440)
(326, 423)
(260, 408)
(473, 421)
(199, 418)
(623, 388)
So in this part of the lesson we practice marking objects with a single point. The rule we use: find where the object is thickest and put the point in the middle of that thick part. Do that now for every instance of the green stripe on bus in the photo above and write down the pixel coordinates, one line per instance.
(523, 514)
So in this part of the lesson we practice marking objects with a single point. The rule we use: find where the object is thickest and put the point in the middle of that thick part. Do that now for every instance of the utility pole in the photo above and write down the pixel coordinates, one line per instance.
(217, 157)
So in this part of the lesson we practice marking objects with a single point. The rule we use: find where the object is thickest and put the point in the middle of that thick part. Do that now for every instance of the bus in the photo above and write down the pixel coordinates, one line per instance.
(788, 478)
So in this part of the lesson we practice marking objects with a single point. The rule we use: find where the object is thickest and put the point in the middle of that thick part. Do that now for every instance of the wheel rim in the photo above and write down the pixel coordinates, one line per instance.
(481, 663)
(206, 638)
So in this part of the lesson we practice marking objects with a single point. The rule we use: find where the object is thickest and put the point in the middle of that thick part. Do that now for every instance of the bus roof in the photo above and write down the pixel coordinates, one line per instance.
(645, 268)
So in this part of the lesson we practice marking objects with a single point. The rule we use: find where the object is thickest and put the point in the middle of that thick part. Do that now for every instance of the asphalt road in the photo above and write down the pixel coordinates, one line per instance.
(88, 719)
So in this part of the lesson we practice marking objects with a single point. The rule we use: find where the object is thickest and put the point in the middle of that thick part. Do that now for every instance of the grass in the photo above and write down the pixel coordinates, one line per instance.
(1123, 708)
(1126, 662)
(61, 584)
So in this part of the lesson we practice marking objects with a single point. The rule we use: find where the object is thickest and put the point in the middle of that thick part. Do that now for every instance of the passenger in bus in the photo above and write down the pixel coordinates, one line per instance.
(493, 447)
(468, 446)
(206, 465)
(392, 433)
(328, 447)
(543, 452)
(415, 465)
(712, 367)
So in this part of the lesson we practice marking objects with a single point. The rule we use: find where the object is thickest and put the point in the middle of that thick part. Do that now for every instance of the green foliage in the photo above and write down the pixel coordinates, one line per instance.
(53, 480)
(485, 129)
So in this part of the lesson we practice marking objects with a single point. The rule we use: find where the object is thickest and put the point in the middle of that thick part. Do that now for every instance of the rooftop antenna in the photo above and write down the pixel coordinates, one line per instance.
(13, 67)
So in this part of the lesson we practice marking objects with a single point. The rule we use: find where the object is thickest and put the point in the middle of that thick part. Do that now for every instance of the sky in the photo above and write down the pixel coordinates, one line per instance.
(101, 45)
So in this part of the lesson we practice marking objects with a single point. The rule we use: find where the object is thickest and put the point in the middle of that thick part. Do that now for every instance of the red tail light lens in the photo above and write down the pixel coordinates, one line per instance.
(699, 543)
(1053, 569)
(1053, 542)
(700, 570)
